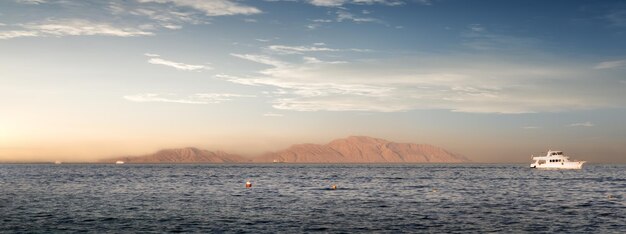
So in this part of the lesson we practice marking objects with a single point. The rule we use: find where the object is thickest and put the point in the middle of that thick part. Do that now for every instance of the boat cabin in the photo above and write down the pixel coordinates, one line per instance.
(555, 153)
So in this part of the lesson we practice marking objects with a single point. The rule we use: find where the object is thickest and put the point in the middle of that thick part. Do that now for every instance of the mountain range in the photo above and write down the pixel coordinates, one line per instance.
(353, 149)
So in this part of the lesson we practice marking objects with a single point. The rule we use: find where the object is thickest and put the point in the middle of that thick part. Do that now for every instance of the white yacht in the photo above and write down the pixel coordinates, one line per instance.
(555, 160)
(119, 162)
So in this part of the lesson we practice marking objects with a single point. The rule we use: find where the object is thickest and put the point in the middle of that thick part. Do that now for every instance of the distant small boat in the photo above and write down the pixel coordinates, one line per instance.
(57, 162)
(555, 160)
(119, 162)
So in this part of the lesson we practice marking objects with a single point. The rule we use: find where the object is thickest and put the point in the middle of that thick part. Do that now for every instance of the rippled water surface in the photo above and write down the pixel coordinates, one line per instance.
(296, 198)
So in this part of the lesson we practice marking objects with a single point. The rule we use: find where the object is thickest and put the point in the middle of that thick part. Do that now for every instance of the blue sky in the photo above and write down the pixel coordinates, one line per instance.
(87, 79)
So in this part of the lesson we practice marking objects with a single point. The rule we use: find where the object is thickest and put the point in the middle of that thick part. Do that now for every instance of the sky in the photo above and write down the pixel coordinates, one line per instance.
(495, 81)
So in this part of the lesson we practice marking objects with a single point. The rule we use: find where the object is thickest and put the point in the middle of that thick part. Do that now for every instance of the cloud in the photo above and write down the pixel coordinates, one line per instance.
(530, 127)
(31, 2)
(272, 115)
(585, 124)
(347, 16)
(260, 59)
(17, 33)
(476, 28)
(610, 64)
(71, 27)
(160, 15)
(322, 21)
(327, 3)
(172, 26)
(344, 16)
(478, 37)
(285, 49)
(338, 3)
(198, 98)
(299, 49)
(617, 18)
(155, 59)
(475, 83)
(316, 60)
(213, 7)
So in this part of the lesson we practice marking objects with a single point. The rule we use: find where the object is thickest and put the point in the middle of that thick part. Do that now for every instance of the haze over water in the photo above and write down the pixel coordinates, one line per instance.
(297, 198)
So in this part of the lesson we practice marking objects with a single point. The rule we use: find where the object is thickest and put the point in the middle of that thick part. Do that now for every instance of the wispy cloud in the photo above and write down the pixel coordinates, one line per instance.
(610, 64)
(585, 124)
(327, 3)
(156, 59)
(316, 23)
(299, 49)
(213, 7)
(159, 15)
(476, 28)
(198, 98)
(31, 2)
(530, 127)
(17, 33)
(479, 37)
(461, 82)
(617, 18)
(272, 115)
(347, 16)
(304, 49)
(263, 59)
(72, 27)
(344, 16)
(338, 3)
(316, 60)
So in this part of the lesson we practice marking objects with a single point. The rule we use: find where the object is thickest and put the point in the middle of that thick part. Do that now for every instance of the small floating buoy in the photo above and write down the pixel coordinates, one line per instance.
(609, 196)
(434, 190)
(333, 187)
(248, 184)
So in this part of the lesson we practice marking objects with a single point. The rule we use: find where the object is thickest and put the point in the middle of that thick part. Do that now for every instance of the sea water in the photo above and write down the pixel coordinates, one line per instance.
(297, 198)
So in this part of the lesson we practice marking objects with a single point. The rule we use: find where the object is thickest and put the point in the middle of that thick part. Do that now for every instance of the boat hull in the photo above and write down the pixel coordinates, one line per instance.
(564, 165)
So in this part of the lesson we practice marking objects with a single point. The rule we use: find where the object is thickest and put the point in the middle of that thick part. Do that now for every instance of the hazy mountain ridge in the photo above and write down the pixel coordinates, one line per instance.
(183, 155)
(354, 149)
(363, 149)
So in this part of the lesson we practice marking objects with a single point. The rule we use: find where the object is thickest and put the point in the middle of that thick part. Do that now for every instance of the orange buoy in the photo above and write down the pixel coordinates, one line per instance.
(248, 184)
(333, 187)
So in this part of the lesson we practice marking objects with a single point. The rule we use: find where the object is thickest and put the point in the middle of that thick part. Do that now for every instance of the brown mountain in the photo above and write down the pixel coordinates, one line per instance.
(183, 155)
(354, 149)
(362, 149)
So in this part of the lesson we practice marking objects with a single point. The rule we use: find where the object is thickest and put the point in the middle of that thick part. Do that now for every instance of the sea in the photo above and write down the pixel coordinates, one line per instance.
(296, 198)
